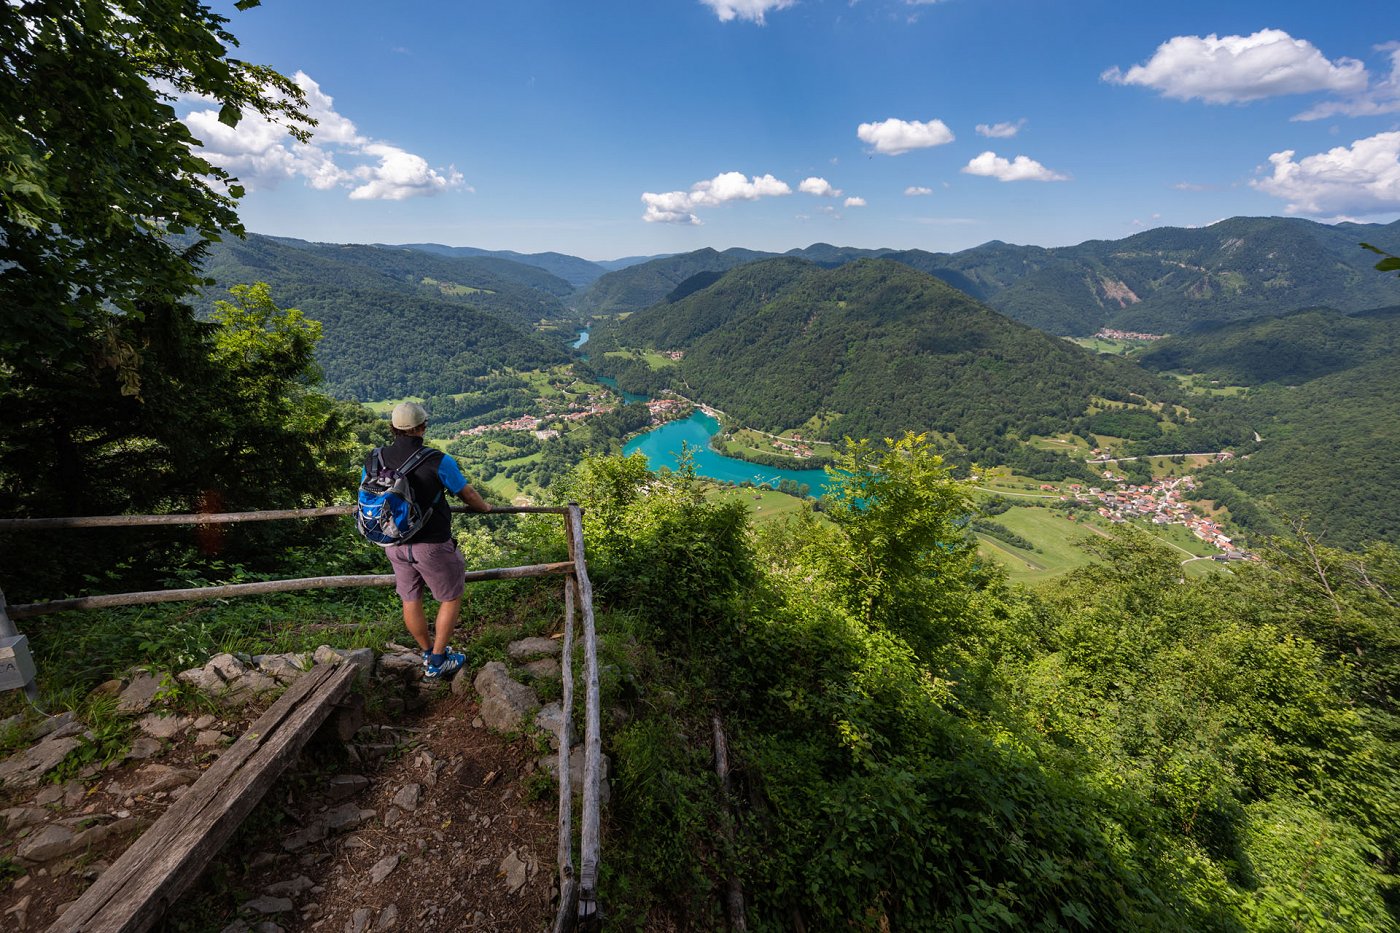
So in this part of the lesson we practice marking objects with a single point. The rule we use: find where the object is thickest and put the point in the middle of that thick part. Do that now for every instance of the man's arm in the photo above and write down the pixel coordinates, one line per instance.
(453, 481)
(473, 500)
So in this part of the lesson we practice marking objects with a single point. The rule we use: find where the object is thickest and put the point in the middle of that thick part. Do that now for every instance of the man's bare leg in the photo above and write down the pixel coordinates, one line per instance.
(446, 622)
(417, 623)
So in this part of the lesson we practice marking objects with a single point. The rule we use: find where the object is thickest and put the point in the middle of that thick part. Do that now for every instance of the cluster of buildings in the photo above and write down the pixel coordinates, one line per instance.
(597, 404)
(799, 450)
(667, 409)
(1162, 503)
(1110, 334)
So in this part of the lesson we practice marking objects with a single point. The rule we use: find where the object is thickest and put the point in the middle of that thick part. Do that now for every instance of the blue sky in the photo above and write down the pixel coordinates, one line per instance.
(605, 129)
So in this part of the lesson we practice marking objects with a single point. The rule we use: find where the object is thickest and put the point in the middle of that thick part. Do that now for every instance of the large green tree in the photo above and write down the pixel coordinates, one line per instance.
(100, 355)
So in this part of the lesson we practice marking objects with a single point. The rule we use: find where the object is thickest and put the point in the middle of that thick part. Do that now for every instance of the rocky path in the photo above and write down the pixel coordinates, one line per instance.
(419, 815)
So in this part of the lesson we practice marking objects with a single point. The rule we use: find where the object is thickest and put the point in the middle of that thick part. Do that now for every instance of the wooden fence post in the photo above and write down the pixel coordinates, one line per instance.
(592, 737)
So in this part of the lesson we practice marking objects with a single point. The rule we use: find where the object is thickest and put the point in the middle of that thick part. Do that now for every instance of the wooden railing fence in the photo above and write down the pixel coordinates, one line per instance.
(578, 895)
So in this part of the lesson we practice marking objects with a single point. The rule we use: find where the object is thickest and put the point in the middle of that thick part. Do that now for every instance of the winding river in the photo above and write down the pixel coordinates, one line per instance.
(662, 447)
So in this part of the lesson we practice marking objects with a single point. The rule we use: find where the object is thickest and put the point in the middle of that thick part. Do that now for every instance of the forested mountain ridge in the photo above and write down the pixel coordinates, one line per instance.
(644, 284)
(385, 332)
(1290, 348)
(1166, 280)
(572, 269)
(510, 290)
(881, 347)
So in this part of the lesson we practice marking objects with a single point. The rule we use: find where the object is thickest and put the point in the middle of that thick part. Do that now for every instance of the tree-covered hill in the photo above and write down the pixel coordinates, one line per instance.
(572, 269)
(644, 284)
(882, 346)
(1170, 279)
(385, 333)
(509, 290)
(1290, 349)
(399, 321)
(1329, 453)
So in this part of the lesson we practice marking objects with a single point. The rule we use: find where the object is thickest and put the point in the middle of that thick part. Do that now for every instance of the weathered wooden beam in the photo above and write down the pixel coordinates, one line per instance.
(232, 518)
(592, 735)
(154, 871)
(568, 885)
(733, 887)
(263, 587)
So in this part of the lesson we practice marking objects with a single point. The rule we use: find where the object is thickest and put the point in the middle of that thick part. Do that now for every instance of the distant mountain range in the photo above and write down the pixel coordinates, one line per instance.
(577, 272)
(1168, 280)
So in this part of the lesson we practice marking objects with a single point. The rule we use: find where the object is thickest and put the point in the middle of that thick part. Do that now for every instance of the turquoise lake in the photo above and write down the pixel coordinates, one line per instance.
(662, 447)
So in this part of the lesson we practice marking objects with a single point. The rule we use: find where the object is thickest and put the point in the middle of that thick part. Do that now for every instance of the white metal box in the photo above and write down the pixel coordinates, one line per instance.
(16, 663)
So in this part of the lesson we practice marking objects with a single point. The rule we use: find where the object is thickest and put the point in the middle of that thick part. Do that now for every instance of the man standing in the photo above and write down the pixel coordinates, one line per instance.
(431, 557)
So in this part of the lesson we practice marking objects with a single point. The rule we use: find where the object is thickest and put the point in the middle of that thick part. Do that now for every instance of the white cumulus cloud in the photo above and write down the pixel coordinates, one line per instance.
(1360, 179)
(678, 207)
(400, 175)
(818, 186)
(261, 154)
(1000, 130)
(1020, 168)
(915, 191)
(895, 137)
(1380, 98)
(855, 202)
(1234, 69)
(751, 10)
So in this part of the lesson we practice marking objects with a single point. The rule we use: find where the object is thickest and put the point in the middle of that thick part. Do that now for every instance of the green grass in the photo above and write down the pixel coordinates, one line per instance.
(1054, 537)
(652, 358)
(763, 504)
(1202, 385)
(385, 406)
(1109, 346)
(452, 288)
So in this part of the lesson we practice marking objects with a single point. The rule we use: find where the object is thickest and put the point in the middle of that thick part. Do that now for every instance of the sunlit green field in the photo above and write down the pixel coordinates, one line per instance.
(1056, 539)
(763, 504)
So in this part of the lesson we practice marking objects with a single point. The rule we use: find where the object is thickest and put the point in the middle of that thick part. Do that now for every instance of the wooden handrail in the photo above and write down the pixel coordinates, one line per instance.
(28, 610)
(230, 518)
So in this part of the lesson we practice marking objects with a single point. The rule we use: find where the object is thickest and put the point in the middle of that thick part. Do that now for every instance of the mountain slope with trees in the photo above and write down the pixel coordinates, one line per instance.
(876, 348)
(1170, 279)
(1324, 393)
(385, 333)
(572, 269)
(508, 290)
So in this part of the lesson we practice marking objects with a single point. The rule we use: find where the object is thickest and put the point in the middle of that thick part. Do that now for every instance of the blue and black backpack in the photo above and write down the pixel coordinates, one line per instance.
(387, 513)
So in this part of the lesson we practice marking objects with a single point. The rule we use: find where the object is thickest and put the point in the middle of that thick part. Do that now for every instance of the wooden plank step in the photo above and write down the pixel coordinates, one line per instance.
(136, 891)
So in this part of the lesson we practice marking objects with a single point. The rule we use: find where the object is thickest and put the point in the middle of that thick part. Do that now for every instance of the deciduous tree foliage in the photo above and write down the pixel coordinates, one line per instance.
(919, 746)
(106, 377)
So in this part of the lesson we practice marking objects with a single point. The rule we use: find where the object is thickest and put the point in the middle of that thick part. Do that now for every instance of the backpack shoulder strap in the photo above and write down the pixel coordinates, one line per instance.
(419, 455)
(374, 461)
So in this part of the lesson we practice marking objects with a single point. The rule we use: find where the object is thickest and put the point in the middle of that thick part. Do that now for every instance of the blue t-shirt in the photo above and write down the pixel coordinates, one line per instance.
(437, 477)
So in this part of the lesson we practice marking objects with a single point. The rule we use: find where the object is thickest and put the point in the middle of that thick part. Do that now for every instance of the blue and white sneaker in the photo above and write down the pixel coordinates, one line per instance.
(451, 664)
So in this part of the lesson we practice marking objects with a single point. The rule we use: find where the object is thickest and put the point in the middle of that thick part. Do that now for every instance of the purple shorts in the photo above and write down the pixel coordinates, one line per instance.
(440, 565)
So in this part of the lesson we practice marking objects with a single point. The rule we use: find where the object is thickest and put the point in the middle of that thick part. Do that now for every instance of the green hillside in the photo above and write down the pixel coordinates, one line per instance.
(1289, 349)
(1171, 279)
(885, 349)
(386, 333)
(572, 269)
(644, 284)
(509, 290)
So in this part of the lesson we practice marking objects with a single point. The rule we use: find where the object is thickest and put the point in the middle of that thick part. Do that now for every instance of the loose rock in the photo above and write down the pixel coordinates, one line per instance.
(163, 727)
(527, 648)
(407, 797)
(504, 702)
(139, 695)
(383, 868)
